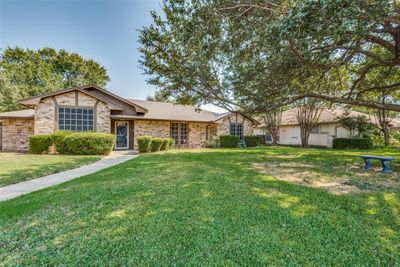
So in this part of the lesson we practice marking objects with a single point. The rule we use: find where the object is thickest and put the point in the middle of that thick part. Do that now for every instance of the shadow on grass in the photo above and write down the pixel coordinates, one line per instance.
(195, 208)
(30, 171)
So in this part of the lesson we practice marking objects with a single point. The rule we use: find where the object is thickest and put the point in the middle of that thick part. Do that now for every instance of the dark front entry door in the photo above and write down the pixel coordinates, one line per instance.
(121, 130)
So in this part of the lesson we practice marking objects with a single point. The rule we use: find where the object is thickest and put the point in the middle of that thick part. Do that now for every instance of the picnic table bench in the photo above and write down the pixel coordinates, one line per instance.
(384, 160)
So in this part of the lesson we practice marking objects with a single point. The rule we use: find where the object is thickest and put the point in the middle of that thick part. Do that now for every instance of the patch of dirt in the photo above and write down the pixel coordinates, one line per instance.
(304, 175)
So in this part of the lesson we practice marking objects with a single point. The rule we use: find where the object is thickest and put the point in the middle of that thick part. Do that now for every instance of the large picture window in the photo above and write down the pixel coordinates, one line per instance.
(75, 119)
(179, 132)
(236, 129)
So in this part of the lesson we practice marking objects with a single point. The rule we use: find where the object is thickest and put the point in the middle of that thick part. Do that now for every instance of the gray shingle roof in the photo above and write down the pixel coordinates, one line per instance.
(174, 112)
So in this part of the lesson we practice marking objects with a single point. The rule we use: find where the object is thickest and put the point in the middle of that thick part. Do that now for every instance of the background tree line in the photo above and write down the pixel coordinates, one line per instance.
(27, 72)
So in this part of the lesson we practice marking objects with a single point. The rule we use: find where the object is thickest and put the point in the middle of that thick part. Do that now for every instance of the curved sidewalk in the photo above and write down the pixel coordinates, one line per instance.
(15, 190)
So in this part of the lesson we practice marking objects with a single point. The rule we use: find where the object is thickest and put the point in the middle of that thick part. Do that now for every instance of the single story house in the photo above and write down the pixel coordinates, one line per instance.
(328, 127)
(91, 108)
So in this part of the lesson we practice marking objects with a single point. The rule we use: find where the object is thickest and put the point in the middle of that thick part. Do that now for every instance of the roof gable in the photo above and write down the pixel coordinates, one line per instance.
(32, 101)
(224, 115)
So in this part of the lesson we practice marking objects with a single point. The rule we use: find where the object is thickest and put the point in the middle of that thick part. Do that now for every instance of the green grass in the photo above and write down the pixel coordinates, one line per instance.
(18, 167)
(206, 207)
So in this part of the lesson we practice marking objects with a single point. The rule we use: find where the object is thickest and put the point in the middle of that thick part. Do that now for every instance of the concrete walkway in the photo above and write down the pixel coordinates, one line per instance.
(15, 190)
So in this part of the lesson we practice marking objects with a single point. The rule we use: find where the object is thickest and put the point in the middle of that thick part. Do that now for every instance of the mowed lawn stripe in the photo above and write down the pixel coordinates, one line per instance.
(201, 207)
(18, 167)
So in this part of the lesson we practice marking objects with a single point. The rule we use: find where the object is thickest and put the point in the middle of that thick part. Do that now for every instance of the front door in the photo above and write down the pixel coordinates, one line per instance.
(121, 130)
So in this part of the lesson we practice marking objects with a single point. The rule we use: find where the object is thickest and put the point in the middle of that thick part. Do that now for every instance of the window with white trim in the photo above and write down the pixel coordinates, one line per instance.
(75, 119)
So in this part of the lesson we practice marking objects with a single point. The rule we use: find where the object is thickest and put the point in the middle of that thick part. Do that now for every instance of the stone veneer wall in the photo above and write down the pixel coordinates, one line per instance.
(152, 128)
(16, 132)
(45, 116)
(197, 134)
(103, 122)
(248, 125)
(197, 131)
(46, 111)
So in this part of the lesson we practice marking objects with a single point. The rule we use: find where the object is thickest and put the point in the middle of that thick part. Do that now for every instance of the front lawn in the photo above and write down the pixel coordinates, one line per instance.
(18, 167)
(210, 207)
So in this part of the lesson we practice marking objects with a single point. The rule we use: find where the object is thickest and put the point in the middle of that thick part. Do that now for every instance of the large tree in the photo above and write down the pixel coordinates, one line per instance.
(247, 54)
(27, 72)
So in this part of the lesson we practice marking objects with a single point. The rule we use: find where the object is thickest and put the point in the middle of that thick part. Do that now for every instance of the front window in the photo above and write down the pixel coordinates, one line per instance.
(236, 129)
(75, 119)
(179, 132)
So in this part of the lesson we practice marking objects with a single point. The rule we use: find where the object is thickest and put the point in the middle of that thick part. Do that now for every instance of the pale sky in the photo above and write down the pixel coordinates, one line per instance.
(103, 30)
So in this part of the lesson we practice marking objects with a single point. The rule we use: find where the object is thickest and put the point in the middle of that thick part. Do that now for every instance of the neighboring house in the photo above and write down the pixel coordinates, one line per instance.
(328, 127)
(91, 108)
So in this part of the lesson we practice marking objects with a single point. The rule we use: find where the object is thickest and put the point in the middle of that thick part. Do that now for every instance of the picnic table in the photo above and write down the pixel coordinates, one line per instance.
(384, 160)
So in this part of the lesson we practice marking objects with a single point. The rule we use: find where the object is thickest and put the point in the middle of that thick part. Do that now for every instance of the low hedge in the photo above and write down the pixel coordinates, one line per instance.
(353, 143)
(88, 143)
(58, 140)
(153, 144)
(165, 144)
(171, 143)
(156, 144)
(252, 140)
(228, 141)
(144, 143)
(39, 144)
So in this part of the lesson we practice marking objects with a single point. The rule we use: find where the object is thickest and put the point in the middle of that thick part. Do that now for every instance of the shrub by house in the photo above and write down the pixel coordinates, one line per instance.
(171, 143)
(156, 144)
(58, 141)
(229, 141)
(144, 143)
(39, 144)
(165, 144)
(88, 143)
(252, 140)
(353, 143)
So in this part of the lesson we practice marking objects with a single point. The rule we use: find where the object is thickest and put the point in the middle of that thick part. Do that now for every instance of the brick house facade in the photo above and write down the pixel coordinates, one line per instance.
(91, 108)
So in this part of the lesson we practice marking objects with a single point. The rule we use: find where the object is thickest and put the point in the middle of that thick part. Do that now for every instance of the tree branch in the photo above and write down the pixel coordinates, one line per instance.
(267, 6)
(334, 99)
(385, 87)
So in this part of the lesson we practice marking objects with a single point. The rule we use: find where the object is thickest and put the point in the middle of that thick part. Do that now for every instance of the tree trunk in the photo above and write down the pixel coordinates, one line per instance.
(274, 139)
(274, 132)
(382, 116)
(304, 137)
(386, 134)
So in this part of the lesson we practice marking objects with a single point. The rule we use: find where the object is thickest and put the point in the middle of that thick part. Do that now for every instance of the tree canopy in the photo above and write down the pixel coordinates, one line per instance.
(260, 55)
(27, 72)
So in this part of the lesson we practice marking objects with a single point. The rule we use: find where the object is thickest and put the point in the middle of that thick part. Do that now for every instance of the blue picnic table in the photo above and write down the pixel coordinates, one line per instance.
(384, 160)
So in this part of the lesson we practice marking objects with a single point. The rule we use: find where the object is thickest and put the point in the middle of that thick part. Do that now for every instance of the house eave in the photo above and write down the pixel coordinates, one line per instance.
(128, 117)
(17, 117)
